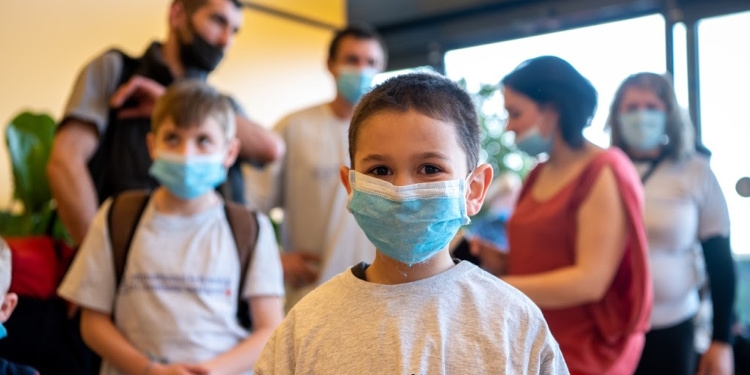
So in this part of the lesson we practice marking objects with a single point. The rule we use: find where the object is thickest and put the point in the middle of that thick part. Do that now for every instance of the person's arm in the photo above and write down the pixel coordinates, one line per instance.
(258, 143)
(69, 178)
(267, 313)
(101, 335)
(719, 358)
(600, 247)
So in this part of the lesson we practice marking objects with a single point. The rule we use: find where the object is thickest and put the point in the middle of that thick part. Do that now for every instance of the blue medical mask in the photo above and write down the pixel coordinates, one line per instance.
(188, 177)
(354, 82)
(643, 130)
(408, 223)
(532, 142)
(3, 331)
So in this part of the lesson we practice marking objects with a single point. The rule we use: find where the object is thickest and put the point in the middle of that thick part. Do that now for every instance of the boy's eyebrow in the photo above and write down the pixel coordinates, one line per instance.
(424, 155)
(431, 155)
(373, 157)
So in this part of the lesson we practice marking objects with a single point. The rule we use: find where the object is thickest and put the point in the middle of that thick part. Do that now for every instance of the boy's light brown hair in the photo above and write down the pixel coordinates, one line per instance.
(189, 103)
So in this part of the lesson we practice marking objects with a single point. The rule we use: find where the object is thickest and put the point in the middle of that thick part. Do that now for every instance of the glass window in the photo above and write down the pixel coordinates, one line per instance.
(725, 127)
(605, 54)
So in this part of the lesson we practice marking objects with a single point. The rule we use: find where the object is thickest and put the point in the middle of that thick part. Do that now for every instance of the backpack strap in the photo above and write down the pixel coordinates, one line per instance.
(122, 221)
(244, 225)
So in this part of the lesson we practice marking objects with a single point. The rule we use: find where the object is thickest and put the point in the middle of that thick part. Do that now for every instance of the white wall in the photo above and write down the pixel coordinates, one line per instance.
(275, 66)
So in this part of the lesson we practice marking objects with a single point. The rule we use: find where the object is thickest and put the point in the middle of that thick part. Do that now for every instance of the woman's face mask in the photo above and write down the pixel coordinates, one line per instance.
(644, 129)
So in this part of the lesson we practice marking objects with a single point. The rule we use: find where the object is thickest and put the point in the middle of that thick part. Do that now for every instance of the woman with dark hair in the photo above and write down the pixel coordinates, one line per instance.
(687, 221)
(577, 244)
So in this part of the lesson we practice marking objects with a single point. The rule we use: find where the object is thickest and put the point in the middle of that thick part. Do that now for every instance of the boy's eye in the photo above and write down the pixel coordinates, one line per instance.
(171, 138)
(379, 171)
(204, 140)
(431, 169)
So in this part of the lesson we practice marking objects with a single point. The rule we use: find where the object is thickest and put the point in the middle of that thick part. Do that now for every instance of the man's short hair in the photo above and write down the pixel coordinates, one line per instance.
(5, 267)
(430, 94)
(189, 103)
(358, 31)
(191, 6)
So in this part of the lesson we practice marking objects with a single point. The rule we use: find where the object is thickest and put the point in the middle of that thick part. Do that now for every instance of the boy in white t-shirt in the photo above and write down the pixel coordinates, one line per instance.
(415, 179)
(175, 309)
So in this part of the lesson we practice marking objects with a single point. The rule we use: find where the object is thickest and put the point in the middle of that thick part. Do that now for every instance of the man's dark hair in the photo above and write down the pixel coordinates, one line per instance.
(430, 94)
(358, 31)
(191, 6)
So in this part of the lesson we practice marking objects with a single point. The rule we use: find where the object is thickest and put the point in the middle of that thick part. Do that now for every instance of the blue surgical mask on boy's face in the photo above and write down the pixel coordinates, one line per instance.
(3, 331)
(188, 177)
(643, 130)
(353, 82)
(532, 143)
(408, 223)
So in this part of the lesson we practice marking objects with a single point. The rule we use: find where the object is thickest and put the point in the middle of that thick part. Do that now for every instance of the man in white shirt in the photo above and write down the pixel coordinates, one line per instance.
(319, 237)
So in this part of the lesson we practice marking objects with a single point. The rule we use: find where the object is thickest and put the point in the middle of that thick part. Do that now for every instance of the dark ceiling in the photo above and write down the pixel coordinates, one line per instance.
(417, 32)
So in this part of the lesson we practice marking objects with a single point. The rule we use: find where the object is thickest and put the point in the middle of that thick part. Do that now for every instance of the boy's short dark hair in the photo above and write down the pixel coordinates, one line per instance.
(358, 31)
(189, 103)
(550, 80)
(429, 94)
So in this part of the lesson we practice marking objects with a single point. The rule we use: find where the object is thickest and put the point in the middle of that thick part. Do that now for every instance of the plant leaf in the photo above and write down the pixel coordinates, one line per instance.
(29, 138)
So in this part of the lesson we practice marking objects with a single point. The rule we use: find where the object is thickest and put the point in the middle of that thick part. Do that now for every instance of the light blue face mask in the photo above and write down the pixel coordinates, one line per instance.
(408, 223)
(533, 143)
(643, 130)
(3, 331)
(354, 82)
(188, 177)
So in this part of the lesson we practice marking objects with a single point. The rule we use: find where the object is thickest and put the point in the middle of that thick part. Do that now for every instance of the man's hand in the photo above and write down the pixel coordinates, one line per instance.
(300, 268)
(717, 360)
(142, 92)
(492, 259)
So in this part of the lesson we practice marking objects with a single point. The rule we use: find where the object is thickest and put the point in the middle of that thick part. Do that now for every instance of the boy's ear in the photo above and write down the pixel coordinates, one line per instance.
(233, 150)
(478, 184)
(344, 174)
(9, 304)
(150, 145)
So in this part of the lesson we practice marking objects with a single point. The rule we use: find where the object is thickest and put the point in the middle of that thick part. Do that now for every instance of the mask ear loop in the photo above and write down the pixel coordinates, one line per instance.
(467, 183)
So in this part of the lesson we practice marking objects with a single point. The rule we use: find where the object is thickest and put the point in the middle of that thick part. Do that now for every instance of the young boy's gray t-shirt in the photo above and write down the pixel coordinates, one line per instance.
(178, 297)
(462, 321)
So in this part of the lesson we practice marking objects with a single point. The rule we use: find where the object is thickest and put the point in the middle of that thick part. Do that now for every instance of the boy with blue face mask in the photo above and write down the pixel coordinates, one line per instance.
(174, 309)
(415, 179)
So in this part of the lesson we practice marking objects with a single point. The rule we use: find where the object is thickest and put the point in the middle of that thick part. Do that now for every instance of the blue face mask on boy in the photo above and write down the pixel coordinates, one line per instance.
(188, 177)
(353, 82)
(408, 223)
(533, 143)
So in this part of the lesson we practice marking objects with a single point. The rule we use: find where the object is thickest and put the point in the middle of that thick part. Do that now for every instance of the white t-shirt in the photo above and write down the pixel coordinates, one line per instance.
(684, 205)
(307, 186)
(461, 321)
(178, 296)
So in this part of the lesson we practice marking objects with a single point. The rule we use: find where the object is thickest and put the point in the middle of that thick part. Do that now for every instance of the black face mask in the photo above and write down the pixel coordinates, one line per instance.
(199, 54)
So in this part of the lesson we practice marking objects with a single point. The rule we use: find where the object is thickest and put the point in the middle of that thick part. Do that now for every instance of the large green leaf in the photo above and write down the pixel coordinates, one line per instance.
(29, 138)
